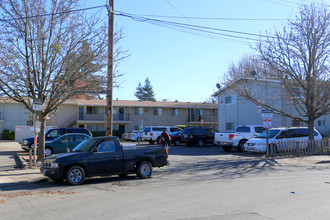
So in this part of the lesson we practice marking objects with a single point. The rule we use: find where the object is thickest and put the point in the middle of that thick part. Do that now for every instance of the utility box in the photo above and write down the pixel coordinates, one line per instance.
(26, 132)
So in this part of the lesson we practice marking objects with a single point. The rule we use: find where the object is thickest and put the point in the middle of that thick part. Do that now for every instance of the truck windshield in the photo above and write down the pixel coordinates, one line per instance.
(271, 134)
(85, 145)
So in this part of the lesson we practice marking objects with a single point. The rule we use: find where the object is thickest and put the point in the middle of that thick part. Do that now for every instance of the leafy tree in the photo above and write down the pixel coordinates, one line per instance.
(146, 92)
(49, 51)
(298, 57)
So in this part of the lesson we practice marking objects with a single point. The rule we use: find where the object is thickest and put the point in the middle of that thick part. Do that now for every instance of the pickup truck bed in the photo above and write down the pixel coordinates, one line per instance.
(103, 156)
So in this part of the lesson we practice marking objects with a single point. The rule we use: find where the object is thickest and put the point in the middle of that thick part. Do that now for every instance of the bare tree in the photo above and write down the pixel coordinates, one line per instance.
(298, 57)
(49, 51)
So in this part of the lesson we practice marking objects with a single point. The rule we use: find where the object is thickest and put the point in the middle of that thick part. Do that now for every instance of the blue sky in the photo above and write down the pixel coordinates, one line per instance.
(183, 66)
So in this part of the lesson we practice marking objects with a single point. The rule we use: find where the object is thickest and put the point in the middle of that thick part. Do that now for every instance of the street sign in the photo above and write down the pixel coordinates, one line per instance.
(267, 122)
(37, 106)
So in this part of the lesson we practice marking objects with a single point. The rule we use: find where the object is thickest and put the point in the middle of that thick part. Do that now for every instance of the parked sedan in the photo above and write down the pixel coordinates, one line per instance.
(134, 136)
(176, 137)
(64, 144)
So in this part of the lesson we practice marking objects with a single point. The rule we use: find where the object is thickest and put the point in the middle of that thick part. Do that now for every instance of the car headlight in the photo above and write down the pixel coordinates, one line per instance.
(54, 165)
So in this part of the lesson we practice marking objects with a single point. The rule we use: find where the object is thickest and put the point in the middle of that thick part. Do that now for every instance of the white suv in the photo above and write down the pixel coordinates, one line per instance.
(152, 133)
(280, 139)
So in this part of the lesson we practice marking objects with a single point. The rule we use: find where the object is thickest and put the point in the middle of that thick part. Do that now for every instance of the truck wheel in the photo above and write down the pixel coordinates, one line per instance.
(226, 148)
(75, 175)
(240, 146)
(177, 142)
(159, 140)
(200, 143)
(48, 152)
(144, 170)
(151, 142)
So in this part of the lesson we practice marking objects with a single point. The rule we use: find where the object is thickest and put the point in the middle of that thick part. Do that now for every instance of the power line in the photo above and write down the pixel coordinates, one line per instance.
(192, 27)
(214, 18)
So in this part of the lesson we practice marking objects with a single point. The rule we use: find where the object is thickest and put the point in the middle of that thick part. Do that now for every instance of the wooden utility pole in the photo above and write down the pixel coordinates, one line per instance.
(109, 108)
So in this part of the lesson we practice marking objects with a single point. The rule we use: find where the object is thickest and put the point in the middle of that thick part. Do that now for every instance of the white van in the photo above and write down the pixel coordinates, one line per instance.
(152, 133)
(280, 138)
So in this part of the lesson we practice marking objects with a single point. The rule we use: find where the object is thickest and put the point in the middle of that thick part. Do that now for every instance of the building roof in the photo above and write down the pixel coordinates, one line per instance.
(141, 104)
(244, 78)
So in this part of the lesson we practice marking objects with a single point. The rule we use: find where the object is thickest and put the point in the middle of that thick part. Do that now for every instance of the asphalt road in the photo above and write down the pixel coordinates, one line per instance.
(201, 183)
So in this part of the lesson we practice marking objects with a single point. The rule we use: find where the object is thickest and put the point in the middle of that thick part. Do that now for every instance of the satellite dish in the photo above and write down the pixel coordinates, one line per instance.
(253, 73)
(218, 85)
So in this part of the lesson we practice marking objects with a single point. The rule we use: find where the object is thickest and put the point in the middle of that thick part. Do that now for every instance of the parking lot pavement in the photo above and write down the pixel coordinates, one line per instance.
(11, 172)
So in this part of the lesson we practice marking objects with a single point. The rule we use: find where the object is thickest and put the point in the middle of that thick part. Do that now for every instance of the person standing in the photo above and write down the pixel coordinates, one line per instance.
(166, 139)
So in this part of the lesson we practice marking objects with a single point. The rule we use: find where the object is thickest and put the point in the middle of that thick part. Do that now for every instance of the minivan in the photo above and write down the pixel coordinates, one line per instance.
(280, 139)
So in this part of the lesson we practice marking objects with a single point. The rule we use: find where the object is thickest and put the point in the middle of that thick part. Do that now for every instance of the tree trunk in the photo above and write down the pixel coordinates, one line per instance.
(41, 137)
(311, 128)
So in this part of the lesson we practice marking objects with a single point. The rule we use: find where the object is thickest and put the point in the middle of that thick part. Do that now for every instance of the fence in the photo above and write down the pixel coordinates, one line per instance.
(299, 148)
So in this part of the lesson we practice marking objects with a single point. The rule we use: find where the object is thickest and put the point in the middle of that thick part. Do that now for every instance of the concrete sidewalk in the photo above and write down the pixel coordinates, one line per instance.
(14, 166)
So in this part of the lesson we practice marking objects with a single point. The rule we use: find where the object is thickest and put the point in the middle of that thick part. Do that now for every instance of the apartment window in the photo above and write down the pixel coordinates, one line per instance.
(228, 100)
(93, 127)
(174, 112)
(91, 110)
(231, 99)
(138, 111)
(321, 123)
(158, 111)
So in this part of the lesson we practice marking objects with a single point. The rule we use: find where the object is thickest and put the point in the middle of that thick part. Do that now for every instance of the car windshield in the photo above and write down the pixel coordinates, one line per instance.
(271, 133)
(85, 145)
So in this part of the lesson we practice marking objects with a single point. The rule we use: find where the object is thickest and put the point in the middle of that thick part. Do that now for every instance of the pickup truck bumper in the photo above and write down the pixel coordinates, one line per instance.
(52, 173)
(223, 143)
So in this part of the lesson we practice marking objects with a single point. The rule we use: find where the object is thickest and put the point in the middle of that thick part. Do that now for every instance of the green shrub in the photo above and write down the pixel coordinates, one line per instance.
(102, 133)
(8, 135)
(98, 133)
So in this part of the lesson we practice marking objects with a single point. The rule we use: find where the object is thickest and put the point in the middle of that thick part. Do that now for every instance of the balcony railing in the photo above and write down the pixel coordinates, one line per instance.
(102, 117)
(207, 118)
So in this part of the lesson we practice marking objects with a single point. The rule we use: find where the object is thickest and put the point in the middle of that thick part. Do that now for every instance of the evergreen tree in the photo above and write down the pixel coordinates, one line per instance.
(146, 92)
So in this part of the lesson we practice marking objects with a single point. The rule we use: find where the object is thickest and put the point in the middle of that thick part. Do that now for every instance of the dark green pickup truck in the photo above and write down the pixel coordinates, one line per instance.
(103, 156)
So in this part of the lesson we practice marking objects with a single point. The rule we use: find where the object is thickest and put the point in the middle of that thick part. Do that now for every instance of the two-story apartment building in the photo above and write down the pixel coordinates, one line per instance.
(12, 114)
(234, 110)
(131, 115)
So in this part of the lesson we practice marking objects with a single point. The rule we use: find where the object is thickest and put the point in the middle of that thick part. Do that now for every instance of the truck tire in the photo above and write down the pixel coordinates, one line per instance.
(226, 148)
(144, 170)
(177, 142)
(48, 151)
(240, 147)
(75, 175)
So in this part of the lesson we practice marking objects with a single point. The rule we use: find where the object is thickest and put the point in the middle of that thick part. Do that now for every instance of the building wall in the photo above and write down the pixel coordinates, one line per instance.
(12, 115)
(63, 115)
(243, 111)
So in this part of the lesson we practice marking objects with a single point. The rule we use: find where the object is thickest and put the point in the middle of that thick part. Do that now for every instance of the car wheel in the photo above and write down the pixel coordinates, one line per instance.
(226, 148)
(200, 143)
(75, 175)
(151, 142)
(48, 152)
(144, 170)
(177, 142)
(241, 144)
(139, 139)
(159, 140)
